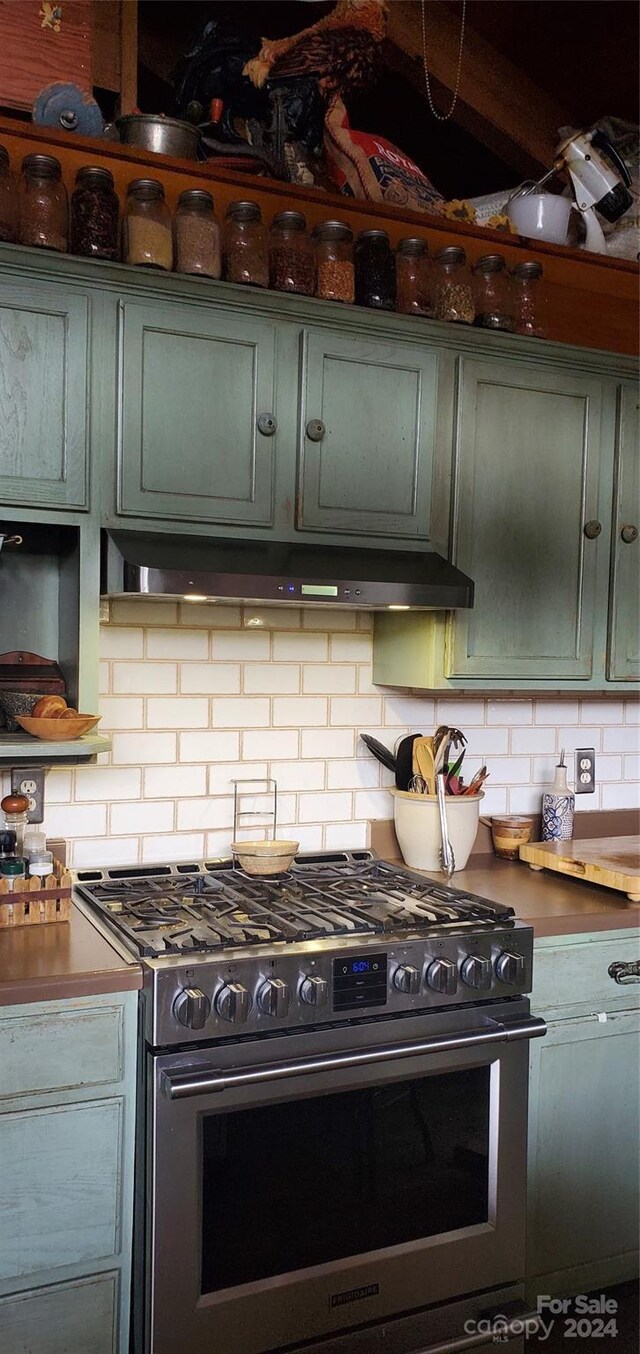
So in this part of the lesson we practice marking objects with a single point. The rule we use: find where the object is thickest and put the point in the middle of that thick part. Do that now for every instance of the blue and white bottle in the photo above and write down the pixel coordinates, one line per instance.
(558, 804)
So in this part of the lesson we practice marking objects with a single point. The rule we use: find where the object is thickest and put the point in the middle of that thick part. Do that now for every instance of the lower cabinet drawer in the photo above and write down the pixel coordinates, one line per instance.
(578, 974)
(71, 1318)
(59, 1050)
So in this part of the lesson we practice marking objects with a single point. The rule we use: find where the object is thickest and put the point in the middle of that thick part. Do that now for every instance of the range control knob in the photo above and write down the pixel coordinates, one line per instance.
(406, 978)
(314, 990)
(476, 971)
(192, 1008)
(274, 996)
(442, 976)
(233, 1003)
(509, 967)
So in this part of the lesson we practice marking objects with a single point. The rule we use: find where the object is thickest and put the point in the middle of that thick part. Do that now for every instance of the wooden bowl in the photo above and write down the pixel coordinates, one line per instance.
(262, 858)
(58, 730)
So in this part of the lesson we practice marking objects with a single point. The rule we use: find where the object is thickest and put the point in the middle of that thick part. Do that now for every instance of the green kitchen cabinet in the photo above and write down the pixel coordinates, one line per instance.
(67, 1129)
(623, 663)
(583, 1168)
(44, 395)
(197, 425)
(367, 430)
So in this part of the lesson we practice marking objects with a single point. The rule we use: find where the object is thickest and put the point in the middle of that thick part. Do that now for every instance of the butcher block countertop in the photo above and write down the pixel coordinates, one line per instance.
(59, 961)
(553, 904)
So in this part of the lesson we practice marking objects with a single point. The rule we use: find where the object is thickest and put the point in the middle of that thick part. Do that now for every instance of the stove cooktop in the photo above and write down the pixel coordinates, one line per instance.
(198, 909)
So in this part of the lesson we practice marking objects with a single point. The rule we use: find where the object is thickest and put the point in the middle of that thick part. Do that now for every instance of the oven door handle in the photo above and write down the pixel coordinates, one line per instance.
(503, 1330)
(204, 1081)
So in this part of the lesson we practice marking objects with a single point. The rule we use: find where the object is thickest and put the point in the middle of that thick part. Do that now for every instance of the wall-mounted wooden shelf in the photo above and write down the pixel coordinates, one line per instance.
(16, 748)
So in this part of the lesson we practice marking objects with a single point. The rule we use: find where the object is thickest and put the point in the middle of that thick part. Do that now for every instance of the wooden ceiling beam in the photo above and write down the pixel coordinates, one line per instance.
(497, 103)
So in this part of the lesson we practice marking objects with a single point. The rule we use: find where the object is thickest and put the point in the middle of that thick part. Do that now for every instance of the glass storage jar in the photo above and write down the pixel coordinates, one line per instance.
(43, 206)
(375, 267)
(291, 260)
(492, 293)
(335, 276)
(414, 277)
(197, 234)
(147, 238)
(95, 214)
(453, 293)
(529, 300)
(246, 245)
(15, 809)
(7, 199)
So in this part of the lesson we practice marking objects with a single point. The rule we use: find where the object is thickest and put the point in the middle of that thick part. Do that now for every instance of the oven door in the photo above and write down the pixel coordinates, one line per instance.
(313, 1182)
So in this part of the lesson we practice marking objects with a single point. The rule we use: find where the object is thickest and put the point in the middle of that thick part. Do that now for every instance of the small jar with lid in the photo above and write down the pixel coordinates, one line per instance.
(246, 245)
(13, 873)
(414, 277)
(492, 293)
(375, 270)
(15, 809)
(291, 258)
(95, 214)
(529, 299)
(147, 238)
(335, 274)
(197, 234)
(43, 206)
(7, 199)
(453, 292)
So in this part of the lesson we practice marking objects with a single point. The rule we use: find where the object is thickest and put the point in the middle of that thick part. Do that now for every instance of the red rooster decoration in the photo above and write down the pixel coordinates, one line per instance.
(341, 50)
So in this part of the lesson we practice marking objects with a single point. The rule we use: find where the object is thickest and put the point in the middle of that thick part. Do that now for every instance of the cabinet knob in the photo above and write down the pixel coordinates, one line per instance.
(267, 424)
(629, 534)
(315, 430)
(592, 529)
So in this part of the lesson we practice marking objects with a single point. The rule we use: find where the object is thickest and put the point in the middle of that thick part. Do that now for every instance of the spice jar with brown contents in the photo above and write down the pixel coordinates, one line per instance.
(246, 245)
(43, 206)
(453, 299)
(335, 274)
(492, 292)
(147, 239)
(291, 259)
(7, 199)
(415, 277)
(95, 213)
(197, 234)
(530, 302)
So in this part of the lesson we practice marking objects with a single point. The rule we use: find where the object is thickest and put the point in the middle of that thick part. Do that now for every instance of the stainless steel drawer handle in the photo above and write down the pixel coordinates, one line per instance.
(499, 1329)
(267, 424)
(624, 973)
(629, 534)
(592, 529)
(205, 1081)
(315, 430)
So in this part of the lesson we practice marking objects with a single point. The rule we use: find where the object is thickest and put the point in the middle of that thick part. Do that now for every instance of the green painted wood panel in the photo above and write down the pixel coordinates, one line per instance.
(61, 1050)
(566, 977)
(60, 1200)
(583, 1204)
(528, 445)
(44, 357)
(371, 472)
(623, 663)
(70, 1318)
(193, 382)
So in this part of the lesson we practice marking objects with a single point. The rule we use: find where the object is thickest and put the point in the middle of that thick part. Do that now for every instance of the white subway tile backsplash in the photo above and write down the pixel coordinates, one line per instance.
(509, 712)
(188, 846)
(524, 799)
(495, 800)
(214, 679)
(356, 710)
(631, 767)
(601, 712)
(327, 743)
(303, 712)
(272, 679)
(147, 816)
(97, 851)
(458, 714)
(578, 736)
(138, 749)
(329, 618)
(300, 775)
(354, 648)
(104, 677)
(309, 837)
(484, 741)
(143, 611)
(625, 795)
(208, 747)
(170, 782)
(58, 786)
(346, 836)
(79, 820)
(300, 648)
(203, 814)
(210, 615)
(104, 783)
(115, 643)
(544, 769)
(632, 712)
(325, 808)
(272, 744)
(241, 712)
(509, 770)
(145, 679)
(223, 775)
(617, 740)
(356, 774)
(272, 617)
(177, 712)
(244, 646)
(373, 804)
(121, 712)
(533, 739)
(177, 643)
(328, 679)
(417, 713)
(556, 712)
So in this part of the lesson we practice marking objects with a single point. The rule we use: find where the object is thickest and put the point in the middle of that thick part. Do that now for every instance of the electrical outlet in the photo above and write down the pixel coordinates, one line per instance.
(29, 781)
(585, 771)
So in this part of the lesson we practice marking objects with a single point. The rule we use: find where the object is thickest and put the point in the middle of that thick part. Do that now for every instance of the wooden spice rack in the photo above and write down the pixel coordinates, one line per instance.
(35, 905)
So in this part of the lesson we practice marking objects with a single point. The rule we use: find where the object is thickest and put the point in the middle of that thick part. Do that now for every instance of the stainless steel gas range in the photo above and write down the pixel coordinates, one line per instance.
(333, 1143)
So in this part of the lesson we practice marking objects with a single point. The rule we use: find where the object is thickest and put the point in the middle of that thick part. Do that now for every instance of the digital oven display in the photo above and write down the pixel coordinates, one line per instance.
(361, 981)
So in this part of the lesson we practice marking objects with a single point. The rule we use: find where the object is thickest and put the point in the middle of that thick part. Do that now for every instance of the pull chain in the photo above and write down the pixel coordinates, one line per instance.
(442, 117)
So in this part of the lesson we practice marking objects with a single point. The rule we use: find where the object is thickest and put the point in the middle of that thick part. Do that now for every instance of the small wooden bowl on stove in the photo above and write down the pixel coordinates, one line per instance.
(264, 858)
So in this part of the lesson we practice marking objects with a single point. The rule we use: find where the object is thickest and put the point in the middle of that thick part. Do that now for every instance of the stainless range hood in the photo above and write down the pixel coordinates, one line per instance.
(279, 571)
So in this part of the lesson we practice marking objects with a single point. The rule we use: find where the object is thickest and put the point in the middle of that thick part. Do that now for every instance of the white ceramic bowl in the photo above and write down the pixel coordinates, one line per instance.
(261, 858)
(541, 216)
(418, 827)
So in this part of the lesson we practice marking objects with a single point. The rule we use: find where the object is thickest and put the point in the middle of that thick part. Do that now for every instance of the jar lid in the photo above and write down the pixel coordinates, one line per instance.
(45, 165)
(289, 220)
(95, 173)
(412, 245)
(4, 155)
(489, 263)
(196, 197)
(528, 269)
(42, 863)
(373, 235)
(12, 865)
(243, 211)
(14, 804)
(145, 188)
(451, 254)
(333, 230)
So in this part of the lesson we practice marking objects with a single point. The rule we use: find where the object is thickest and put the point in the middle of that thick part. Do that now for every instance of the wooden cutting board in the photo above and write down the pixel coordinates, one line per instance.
(613, 862)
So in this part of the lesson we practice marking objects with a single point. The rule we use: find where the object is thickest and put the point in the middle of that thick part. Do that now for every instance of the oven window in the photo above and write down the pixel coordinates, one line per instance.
(314, 1180)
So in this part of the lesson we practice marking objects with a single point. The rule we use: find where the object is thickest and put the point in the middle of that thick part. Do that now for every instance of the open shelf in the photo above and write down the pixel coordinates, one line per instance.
(21, 747)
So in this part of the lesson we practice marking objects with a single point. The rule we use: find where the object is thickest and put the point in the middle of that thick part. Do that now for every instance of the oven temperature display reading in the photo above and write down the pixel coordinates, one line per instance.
(359, 982)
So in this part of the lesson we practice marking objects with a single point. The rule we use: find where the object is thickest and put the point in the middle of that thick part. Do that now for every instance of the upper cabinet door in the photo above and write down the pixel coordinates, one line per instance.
(43, 396)
(528, 446)
(196, 387)
(624, 604)
(367, 435)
